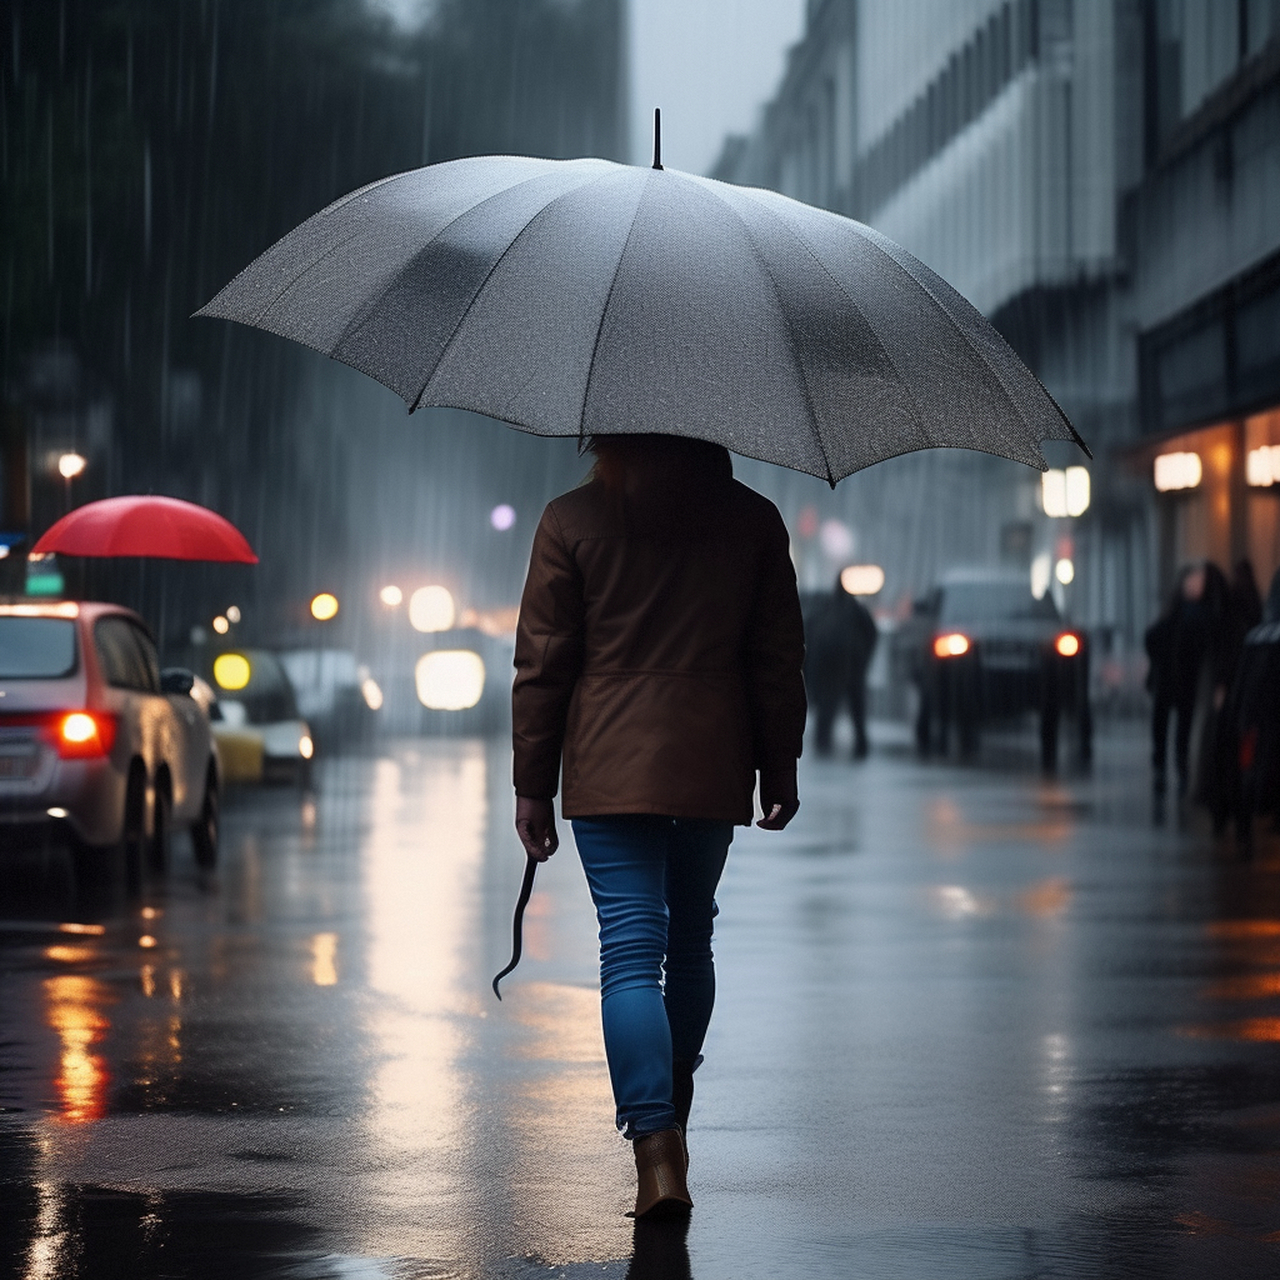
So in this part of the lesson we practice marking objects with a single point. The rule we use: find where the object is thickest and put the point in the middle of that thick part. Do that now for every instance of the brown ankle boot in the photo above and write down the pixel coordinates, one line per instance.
(660, 1163)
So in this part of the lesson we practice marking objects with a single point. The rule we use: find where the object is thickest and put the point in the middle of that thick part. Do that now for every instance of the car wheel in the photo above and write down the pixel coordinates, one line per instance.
(133, 838)
(158, 848)
(1049, 734)
(204, 831)
(924, 724)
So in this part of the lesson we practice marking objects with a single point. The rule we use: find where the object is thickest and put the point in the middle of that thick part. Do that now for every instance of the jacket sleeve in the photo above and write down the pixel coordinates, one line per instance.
(549, 648)
(775, 654)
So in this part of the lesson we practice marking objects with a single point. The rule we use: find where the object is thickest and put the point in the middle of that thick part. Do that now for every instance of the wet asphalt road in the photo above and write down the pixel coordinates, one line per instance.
(971, 1023)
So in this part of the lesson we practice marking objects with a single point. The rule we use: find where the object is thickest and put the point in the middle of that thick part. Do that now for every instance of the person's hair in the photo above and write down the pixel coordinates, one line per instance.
(618, 455)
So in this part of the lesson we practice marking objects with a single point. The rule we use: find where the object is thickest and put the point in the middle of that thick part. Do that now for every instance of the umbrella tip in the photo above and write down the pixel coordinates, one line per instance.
(657, 137)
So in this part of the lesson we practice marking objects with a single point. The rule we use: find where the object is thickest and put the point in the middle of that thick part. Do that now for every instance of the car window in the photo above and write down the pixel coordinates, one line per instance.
(266, 694)
(37, 648)
(150, 659)
(993, 602)
(120, 655)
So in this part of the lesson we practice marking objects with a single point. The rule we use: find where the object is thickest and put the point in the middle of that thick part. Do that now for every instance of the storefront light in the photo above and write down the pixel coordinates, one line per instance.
(1262, 466)
(1053, 492)
(862, 579)
(1078, 490)
(1065, 493)
(1174, 471)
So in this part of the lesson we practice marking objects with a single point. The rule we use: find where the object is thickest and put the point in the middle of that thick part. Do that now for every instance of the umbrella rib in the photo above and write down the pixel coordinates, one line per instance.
(791, 342)
(903, 382)
(873, 241)
(604, 310)
(370, 304)
(340, 203)
(515, 240)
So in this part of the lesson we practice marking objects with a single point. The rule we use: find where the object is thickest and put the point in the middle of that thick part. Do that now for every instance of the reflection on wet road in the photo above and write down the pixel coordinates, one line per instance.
(970, 1023)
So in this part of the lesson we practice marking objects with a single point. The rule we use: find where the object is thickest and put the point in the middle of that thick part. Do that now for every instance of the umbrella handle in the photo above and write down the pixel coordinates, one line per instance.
(517, 924)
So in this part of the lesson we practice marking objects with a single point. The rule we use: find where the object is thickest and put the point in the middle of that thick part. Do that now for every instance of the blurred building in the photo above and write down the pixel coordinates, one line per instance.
(1101, 178)
(148, 151)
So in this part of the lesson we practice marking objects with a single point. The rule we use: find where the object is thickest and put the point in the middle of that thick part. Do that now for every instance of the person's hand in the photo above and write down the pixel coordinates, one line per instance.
(536, 827)
(778, 798)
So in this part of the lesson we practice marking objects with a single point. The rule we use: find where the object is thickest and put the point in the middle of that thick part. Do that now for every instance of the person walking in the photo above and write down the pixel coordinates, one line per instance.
(840, 638)
(659, 656)
(1187, 651)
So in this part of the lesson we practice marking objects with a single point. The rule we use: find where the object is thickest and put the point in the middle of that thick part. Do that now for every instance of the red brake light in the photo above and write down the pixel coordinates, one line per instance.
(83, 735)
(1068, 645)
(951, 646)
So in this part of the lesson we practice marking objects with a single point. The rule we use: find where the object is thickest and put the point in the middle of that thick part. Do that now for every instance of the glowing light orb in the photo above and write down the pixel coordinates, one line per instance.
(324, 606)
(431, 609)
(231, 671)
(449, 679)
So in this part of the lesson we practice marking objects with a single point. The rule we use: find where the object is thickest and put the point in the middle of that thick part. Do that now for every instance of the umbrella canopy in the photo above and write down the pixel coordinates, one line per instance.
(572, 297)
(145, 525)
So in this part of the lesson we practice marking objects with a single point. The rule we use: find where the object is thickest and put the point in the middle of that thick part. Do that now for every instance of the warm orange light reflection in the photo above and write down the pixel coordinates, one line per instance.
(952, 646)
(74, 1009)
(146, 941)
(91, 930)
(1245, 986)
(1258, 1030)
(1236, 929)
(69, 955)
(1068, 645)
(324, 951)
(1047, 898)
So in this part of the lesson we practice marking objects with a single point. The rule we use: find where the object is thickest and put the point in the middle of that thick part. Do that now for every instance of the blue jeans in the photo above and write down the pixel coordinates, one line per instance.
(653, 881)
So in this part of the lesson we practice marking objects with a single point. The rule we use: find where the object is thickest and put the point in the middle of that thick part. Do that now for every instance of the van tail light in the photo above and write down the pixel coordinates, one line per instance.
(951, 646)
(1068, 645)
(84, 735)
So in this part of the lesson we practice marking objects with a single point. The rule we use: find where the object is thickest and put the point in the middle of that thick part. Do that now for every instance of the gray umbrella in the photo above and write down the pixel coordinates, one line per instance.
(572, 297)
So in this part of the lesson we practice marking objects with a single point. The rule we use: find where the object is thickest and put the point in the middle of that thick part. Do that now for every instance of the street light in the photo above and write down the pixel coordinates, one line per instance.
(391, 595)
(324, 607)
(1065, 492)
(70, 465)
(1175, 471)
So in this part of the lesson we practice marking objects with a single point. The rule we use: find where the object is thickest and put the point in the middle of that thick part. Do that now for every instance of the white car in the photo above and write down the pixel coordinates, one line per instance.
(97, 745)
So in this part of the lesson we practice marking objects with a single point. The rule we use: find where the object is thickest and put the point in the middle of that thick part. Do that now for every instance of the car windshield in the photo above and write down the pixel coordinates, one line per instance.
(258, 684)
(37, 648)
(993, 602)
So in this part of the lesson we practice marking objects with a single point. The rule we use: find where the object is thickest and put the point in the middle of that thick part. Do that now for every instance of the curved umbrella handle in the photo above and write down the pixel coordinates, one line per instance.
(517, 925)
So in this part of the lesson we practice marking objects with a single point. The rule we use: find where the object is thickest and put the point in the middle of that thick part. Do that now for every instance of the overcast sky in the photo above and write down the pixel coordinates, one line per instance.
(710, 65)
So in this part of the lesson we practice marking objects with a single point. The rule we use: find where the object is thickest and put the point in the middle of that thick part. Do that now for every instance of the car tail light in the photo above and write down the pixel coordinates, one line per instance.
(951, 646)
(82, 735)
(1068, 645)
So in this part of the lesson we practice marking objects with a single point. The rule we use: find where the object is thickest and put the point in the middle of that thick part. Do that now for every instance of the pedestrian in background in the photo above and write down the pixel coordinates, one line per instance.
(840, 639)
(1186, 649)
(1253, 717)
(659, 657)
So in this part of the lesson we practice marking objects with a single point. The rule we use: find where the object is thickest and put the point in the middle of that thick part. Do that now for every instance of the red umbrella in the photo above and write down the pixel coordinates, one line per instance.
(146, 525)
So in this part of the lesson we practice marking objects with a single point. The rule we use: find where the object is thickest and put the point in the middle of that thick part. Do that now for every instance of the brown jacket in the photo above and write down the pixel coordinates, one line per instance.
(659, 649)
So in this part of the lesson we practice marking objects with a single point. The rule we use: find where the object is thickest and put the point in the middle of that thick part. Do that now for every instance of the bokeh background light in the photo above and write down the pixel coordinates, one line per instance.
(449, 679)
(432, 609)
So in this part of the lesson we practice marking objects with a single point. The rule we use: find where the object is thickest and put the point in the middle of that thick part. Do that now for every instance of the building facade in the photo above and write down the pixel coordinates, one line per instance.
(1102, 179)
